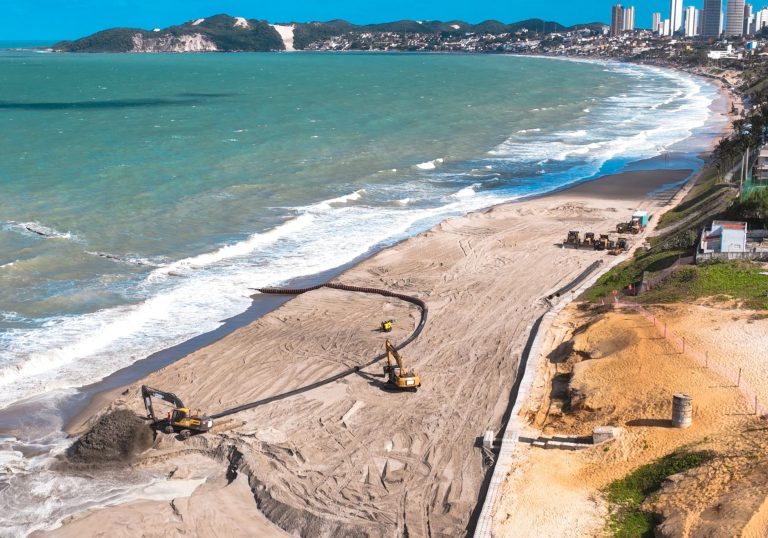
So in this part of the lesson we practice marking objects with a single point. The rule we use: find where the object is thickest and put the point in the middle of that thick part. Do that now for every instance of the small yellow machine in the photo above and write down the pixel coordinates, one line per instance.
(397, 373)
(386, 326)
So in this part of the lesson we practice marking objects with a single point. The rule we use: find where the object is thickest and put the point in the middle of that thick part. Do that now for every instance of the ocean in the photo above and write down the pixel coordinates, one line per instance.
(142, 196)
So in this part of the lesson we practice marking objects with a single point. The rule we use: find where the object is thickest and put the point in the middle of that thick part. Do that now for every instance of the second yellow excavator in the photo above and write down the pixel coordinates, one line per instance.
(396, 372)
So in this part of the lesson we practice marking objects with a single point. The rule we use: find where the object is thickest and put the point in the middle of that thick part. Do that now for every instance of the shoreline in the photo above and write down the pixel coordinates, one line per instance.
(99, 393)
(74, 405)
(567, 204)
(100, 389)
(602, 188)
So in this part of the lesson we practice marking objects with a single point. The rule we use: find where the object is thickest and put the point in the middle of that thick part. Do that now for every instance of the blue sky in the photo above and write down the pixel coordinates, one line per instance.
(66, 19)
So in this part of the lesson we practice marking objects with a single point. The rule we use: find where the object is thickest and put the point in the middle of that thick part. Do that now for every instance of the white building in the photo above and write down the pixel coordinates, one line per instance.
(724, 236)
(665, 27)
(656, 23)
(628, 19)
(761, 19)
(675, 16)
(691, 21)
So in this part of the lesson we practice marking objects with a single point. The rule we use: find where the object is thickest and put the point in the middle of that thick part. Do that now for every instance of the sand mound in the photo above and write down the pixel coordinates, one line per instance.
(116, 438)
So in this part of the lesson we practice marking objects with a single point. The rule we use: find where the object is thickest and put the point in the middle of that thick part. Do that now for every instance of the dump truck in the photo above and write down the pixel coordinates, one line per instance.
(636, 224)
(180, 419)
(397, 374)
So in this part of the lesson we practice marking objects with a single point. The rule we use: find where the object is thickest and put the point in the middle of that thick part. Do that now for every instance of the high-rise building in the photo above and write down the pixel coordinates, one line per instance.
(748, 19)
(617, 19)
(656, 22)
(712, 18)
(666, 28)
(734, 18)
(761, 19)
(628, 19)
(676, 15)
(691, 24)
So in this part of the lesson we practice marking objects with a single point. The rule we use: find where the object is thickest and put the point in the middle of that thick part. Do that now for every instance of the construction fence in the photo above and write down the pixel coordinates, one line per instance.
(702, 358)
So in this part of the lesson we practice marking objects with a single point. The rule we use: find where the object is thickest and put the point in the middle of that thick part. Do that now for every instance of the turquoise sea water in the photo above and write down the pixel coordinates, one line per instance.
(141, 196)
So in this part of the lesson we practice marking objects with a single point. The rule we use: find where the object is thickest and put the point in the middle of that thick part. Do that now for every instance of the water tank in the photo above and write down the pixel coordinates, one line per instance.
(682, 410)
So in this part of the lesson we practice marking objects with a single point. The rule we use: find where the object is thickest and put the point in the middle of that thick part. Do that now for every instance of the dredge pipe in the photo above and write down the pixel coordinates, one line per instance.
(349, 371)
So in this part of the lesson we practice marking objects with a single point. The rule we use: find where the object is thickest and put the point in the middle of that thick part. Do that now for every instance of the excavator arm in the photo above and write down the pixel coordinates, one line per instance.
(147, 393)
(392, 354)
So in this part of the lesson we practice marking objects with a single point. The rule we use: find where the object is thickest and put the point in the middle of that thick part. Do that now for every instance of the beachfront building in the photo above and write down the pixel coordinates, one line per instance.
(712, 18)
(656, 22)
(724, 237)
(734, 18)
(675, 16)
(691, 21)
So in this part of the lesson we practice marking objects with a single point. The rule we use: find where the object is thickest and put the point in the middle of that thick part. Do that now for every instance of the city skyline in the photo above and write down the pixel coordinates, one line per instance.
(53, 20)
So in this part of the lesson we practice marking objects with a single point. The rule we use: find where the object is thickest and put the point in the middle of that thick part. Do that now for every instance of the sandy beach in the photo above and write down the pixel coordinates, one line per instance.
(353, 458)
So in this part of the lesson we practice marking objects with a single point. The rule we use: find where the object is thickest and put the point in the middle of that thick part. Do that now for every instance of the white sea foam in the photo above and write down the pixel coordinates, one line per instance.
(429, 165)
(467, 192)
(351, 197)
(38, 229)
(234, 250)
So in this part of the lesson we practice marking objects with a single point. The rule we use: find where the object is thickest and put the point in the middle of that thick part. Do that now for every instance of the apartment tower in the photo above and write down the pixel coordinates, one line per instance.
(734, 18)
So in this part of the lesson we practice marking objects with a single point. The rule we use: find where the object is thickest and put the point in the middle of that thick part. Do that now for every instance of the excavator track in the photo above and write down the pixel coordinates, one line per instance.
(343, 287)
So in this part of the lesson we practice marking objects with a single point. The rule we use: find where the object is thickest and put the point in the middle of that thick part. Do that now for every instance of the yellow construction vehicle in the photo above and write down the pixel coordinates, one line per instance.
(589, 240)
(573, 239)
(180, 420)
(396, 372)
(602, 243)
(386, 326)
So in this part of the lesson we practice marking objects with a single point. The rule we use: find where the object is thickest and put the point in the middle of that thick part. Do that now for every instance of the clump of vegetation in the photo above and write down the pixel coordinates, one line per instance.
(732, 279)
(631, 272)
(706, 194)
(627, 494)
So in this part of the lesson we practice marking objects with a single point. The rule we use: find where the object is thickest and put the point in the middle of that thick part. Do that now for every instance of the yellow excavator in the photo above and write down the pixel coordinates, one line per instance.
(396, 372)
(180, 420)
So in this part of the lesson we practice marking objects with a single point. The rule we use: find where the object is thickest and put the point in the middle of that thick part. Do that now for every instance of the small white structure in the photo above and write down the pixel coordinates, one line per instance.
(724, 236)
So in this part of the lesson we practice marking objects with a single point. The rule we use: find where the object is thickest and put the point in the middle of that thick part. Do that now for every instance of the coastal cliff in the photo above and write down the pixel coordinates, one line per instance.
(218, 33)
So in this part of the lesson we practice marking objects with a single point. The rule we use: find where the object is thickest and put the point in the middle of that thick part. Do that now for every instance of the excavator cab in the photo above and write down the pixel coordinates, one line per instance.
(181, 420)
(397, 373)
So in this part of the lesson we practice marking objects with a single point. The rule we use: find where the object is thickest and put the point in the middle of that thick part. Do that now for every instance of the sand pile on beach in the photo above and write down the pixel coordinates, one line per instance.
(354, 458)
(116, 438)
(613, 369)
